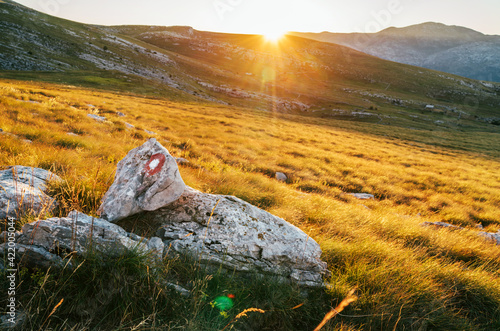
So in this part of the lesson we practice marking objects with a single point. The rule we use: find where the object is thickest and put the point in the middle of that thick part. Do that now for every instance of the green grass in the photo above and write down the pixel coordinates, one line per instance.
(126, 293)
(408, 277)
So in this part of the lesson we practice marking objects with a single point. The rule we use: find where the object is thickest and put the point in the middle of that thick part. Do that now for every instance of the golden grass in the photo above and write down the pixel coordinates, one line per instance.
(376, 245)
(350, 298)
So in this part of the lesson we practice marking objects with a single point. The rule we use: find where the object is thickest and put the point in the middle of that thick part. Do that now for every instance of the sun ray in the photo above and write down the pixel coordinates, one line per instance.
(274, 35)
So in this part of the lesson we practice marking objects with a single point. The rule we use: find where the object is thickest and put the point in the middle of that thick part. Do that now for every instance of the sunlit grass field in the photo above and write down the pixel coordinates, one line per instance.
(408, 277)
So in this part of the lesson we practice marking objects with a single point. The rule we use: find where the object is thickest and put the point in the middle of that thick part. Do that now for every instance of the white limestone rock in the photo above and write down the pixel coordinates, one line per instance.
(362, 196)
(239, 237)
(22, 190)
(281, 177)
(494, 237)
(146, 179)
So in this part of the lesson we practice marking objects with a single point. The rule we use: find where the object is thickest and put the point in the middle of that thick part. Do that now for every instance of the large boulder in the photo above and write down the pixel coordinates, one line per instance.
(22, 191)
(146, 179)
(240, 237)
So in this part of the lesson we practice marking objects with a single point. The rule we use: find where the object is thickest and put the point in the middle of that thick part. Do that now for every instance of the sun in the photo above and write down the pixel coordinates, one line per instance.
(274, 35)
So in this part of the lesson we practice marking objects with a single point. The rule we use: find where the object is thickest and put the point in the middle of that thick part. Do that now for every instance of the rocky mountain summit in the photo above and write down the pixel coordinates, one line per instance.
(220, 231)
(453, 49)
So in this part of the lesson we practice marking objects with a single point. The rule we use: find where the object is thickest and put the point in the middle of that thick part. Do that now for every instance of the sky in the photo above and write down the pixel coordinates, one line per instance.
(274, 16)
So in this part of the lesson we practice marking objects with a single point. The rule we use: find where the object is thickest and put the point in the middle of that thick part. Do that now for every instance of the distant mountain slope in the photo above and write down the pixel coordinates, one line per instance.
(296, 75)
(451, 49)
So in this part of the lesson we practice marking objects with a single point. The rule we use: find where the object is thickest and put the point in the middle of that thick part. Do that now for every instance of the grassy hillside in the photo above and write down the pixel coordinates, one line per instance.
(408, 277)
(239, 108)
(296, 75)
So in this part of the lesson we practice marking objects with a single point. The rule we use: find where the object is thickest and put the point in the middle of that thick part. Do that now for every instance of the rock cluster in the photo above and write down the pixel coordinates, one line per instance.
(220, 231)
(43, 243)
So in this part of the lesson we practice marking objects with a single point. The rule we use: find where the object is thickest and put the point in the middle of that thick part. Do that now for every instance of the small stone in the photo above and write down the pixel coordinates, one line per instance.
(362, 196)
(179, 289)
(495, 237)
(130, 126)
(181, 160)
(281, 177)
(120, 114)
(19, 320)
(149, 132)
(442, 225)
(97, 117)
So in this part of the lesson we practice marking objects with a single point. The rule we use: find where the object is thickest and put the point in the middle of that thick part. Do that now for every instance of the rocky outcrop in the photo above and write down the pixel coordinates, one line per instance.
(146, 179)
(45, 243)
(239, 236)
(218, 231)
(22, 191)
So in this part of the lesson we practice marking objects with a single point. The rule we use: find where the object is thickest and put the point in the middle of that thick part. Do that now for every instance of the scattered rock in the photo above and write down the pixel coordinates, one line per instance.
(28, 101)
(130, 126)
(13, 320)
(146, 179)
(181, 160)
(8, 134)
(23, 191)
(281, 177)
(363, 196)
(120, 114)
(239, 236)
(491, 236)
(72, 134)
(495, 237)
(149, 132)
(27, 141)
(179, 289)
(97, 117)
(34, 256)
(442, 225)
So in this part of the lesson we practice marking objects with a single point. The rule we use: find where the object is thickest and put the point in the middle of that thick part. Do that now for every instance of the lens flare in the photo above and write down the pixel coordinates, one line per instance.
(223, 303)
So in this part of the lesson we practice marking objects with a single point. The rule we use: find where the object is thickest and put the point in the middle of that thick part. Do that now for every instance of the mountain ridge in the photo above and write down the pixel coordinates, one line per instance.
(296, 75)
(429, 45)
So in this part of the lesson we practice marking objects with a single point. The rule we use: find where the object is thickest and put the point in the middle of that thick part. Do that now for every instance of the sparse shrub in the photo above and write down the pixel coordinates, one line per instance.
(138, 135)
(119, 126)
(185, 145)
(69, 143)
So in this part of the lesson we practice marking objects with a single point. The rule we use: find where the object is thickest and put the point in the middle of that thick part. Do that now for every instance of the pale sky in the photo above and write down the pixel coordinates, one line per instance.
(261, 16)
